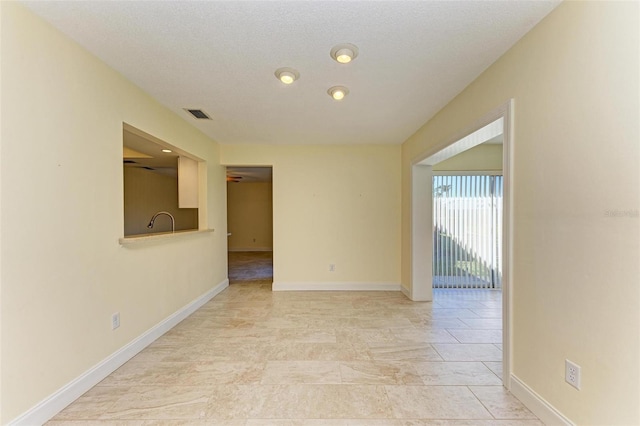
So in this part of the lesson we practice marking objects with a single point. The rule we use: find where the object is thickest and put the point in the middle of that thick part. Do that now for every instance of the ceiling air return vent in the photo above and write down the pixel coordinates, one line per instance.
(198, 113)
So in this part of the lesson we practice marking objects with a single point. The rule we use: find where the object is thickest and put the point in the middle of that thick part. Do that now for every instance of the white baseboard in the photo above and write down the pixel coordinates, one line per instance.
(406, 292)
(546, 412)
(56, 402)
(335, 286)
(250, 249)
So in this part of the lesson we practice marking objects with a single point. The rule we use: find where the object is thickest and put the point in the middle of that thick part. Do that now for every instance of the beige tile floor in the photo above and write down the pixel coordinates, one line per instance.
(254, 357)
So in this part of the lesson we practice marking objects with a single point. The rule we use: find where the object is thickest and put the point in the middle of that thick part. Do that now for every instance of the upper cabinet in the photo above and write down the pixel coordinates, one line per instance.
(187, 183)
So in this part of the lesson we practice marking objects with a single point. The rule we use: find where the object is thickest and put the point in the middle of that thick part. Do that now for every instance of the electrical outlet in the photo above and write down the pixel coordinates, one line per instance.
(332, 267)
(115, 320)
(572, 374)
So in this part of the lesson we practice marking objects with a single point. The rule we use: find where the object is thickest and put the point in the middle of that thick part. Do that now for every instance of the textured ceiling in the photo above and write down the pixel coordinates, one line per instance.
(221, 57)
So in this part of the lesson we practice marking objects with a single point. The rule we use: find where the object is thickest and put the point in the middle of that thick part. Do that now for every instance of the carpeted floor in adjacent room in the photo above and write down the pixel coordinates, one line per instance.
(250, 266)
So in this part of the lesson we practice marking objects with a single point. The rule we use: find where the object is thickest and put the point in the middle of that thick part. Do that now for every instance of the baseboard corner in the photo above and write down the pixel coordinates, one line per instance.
(406, 292)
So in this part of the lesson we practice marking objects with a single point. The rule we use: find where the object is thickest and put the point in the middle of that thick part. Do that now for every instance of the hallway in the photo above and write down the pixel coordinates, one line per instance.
(250, 267)
(254, 357)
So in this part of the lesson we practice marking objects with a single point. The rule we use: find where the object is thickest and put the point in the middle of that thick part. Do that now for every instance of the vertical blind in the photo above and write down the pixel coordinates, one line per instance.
(467, 230)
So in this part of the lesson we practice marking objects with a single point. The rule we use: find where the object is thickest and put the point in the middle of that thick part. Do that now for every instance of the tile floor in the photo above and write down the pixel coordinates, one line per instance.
(253, 357)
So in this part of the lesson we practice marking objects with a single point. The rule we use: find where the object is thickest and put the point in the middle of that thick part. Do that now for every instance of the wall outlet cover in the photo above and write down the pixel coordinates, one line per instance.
(115, 320)
(572, 373)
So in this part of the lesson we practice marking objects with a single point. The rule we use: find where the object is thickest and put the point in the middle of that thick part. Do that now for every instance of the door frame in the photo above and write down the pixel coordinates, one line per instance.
(422, 219)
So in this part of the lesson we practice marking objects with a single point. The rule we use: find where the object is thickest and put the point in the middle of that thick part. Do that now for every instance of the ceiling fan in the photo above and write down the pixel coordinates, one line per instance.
(234, 179)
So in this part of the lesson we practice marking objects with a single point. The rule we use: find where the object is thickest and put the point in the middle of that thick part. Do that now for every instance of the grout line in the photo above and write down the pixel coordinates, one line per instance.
(485, 407)
(436, 350)
(452, 335)
(496, 374)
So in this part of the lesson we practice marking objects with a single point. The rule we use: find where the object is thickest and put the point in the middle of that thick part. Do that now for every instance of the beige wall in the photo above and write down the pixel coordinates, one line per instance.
(249, 216)
(146, 193)
(486, 158)
(63, 270)
(332, 204)
(574, 79)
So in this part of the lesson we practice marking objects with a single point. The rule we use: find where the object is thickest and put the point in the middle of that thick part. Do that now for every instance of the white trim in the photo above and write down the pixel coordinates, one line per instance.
(467, 172)
(421, 233)
(56, 402)
(250, 249)
(335, 286)
(488, 130)
(546, 412)
(507, 111)
(406, 292)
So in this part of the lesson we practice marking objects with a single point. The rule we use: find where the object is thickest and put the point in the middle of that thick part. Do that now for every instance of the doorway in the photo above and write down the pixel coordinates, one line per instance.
(250, 225)
(422, 236)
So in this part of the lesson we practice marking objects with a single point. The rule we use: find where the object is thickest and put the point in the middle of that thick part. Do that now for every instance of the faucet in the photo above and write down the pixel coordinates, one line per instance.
(153, 219)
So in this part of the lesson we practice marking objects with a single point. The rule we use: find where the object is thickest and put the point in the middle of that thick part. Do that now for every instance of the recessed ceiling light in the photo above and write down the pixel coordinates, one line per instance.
(287, 75)
(344, 53)
(166, 150)
(338, 92)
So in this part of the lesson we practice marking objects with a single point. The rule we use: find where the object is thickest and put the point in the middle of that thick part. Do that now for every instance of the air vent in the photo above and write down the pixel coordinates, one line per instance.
(198, 113)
